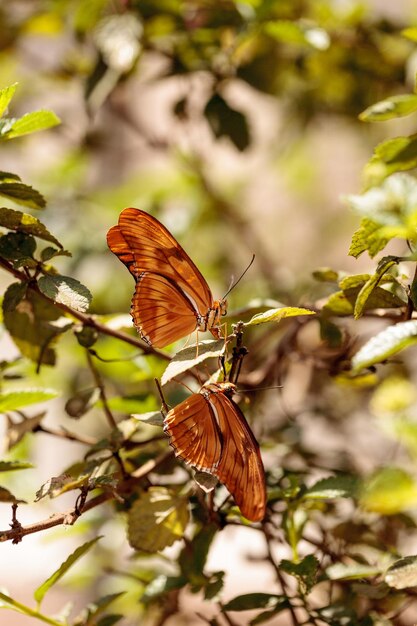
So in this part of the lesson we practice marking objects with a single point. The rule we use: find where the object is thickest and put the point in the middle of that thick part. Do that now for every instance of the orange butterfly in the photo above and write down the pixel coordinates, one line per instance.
(209, 432)
(171, 299)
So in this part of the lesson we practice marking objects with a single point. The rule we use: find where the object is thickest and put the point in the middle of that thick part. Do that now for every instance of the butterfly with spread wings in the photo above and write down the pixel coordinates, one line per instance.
(172, 298)
(209, 432)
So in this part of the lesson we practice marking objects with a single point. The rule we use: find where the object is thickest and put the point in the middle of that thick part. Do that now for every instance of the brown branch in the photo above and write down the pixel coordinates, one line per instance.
(87, 320)
(102, 391)
(64, 434)
(17, 532)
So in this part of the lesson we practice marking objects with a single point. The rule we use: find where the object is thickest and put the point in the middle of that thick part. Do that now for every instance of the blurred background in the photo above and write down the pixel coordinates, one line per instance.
(236, 124)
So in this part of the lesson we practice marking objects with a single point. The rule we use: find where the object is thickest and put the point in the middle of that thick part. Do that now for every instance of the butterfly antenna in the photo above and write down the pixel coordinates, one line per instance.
(233, 284)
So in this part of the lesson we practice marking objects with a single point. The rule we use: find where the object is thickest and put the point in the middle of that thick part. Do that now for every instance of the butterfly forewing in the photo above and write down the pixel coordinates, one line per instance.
(156, 250)
(240, 468)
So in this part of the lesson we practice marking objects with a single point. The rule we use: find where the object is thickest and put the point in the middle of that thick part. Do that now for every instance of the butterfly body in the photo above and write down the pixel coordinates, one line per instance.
(209, 432)
(172, 298)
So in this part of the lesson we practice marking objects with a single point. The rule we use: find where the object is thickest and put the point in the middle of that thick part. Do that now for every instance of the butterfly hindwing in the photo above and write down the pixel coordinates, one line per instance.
(160, 311)
(194, 433)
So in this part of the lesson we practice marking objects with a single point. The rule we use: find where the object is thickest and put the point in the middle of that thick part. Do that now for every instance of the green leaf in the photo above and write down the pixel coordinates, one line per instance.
(305, 571)
(11, 466)
(389, 491)
(157, 519)
(194, 555)
(326, 275)
(80, 404)
(154, 418)
(31, 123)
(65, 290)
(367, 237)
(7, 496)
(86, 336)
(63, 569)
(342, 486)
(385, 344)
(34, 325)
(402, 573)
(17, 247)
(394, 155)
(192, 355)
(6, 95)
(410, 33)
(22, 194)
(54, 486)
(351, 571)
(225, 121)
(12, 400)
(390, 203)
(23, 222)
(363, 296)
(250, 601)
(395, 106)
(291, 32)
(330, 333)
(276, 315)
(15, 293)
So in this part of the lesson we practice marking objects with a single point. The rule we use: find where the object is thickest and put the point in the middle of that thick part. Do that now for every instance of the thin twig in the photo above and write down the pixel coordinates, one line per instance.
(64, 434)
(100, 386)
(58, 519)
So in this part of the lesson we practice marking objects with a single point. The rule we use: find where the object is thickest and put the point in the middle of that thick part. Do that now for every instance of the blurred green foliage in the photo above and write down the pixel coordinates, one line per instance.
(213, 117)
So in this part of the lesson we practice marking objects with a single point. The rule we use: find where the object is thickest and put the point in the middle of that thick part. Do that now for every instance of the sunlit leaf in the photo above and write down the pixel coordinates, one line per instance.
(157, 519)
(333, 487)
(393, 395)
(6, 95)
(391, 490)
(192, 355)
(367, 238)
(31, 123)
(23, 194)
(12, 400)
(66, 290)
(402, 573)
(385, 344)
(276, 315)
(389, 203)
(292, 32)
(63, 569)
(23, 222)
(154, 418)
(364, 294)
(393, 155)
(395, 106)
(351, 571)
(53, 486)
(11, 466)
